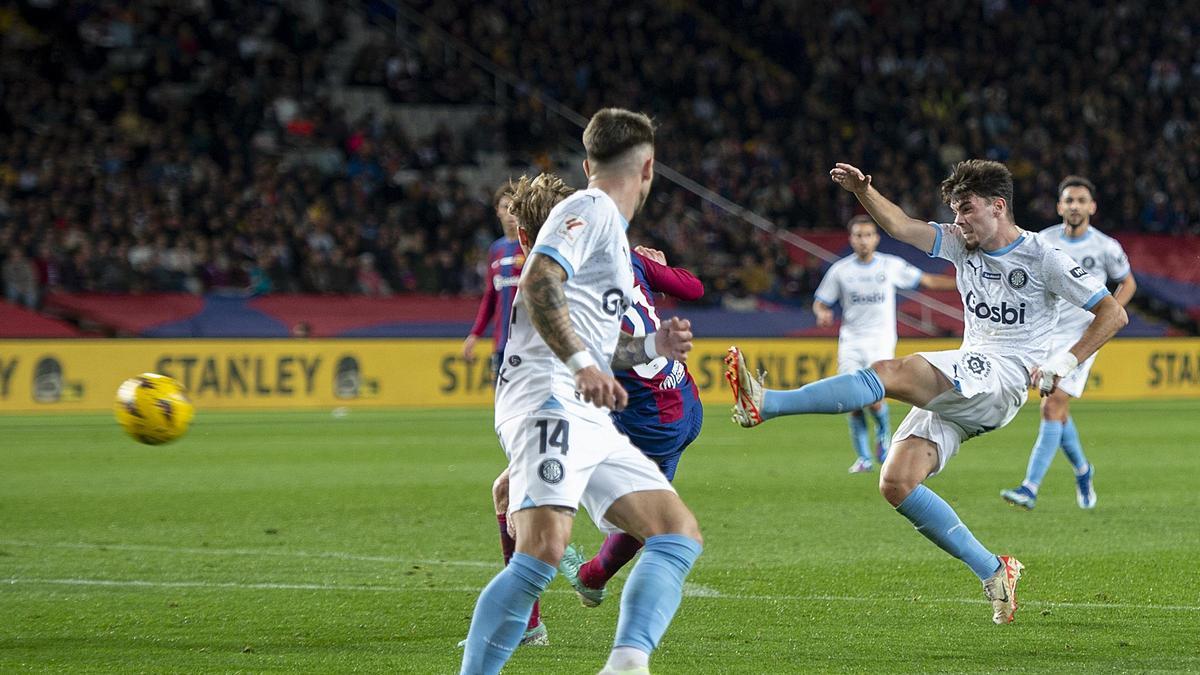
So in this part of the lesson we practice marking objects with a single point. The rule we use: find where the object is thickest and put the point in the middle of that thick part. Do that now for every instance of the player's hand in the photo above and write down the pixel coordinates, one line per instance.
(653, 254)
(468, 348)
(850, 178)
(824, 317)
(601, 390)
(1047, 375)
(673, 339)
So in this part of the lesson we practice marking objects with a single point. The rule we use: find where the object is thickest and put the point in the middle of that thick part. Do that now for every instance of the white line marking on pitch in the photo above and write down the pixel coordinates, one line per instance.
(704, 592)
(334, 555)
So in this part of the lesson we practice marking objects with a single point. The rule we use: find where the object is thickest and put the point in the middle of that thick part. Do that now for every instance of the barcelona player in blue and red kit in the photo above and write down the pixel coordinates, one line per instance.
(505, 259)
(662, 418)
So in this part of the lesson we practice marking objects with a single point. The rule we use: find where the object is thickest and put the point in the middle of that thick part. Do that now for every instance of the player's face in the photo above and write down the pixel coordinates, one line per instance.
(1076, 206)
(864, 239)
(507, 220)
(979, 220)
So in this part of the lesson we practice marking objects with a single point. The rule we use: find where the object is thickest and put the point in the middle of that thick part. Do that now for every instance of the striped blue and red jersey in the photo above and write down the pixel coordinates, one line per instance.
(658, 391)
(505, 259)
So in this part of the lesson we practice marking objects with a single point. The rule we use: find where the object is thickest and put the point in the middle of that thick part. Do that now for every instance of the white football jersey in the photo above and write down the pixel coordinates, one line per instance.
(1099, 254)
(585, 233)
(867, 292)
(1010, 296)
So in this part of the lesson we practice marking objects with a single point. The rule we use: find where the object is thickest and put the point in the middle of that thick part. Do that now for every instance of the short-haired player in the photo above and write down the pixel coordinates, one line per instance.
(554, 395)
(1104, 258)
(1010, 283)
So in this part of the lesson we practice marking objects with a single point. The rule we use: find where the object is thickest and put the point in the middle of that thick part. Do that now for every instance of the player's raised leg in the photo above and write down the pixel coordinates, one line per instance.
(910, 462)
(504, 606)
(910, 379)
(655, 587)
(1085, 491)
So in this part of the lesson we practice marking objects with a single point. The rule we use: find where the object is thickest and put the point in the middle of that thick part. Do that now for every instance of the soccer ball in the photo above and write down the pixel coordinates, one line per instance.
(153, 409)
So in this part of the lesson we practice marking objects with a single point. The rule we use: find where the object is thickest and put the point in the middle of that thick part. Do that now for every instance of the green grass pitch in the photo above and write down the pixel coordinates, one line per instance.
(303, 542)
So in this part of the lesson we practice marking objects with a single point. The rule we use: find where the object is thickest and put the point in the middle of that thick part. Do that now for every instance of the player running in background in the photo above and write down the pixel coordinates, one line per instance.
(1011, 283)
(1103, 258)
(505, 259)
(553, 397)
(865, 285)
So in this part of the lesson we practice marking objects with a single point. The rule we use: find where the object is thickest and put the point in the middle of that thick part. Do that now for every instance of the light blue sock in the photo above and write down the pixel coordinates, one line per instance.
(1049, 436)
(1072, 448)
(654, 589)
(883, 425)
(837, 394)
(858, 435)
(934, 518)
(502, 612)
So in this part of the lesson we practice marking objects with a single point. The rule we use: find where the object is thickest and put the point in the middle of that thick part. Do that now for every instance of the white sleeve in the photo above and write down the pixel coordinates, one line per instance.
(948, 244)
(829, 291)
(572, 234)
(1116, 263)
(1067, 280)
(905, 275)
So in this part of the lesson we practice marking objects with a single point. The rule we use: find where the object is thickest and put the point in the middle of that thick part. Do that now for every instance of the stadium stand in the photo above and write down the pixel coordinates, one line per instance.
(320, 154)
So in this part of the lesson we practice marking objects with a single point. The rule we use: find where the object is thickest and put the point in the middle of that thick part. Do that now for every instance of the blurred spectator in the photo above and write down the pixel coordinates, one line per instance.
(20, 279)
(152, 146)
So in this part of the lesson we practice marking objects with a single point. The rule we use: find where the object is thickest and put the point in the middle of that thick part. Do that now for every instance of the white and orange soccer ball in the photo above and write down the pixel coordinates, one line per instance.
(153, 409)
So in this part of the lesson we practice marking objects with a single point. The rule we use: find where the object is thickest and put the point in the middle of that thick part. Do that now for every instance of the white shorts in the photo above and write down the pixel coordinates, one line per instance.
(988, 392)
(1075, 382)
(556, 458)
(854, 356)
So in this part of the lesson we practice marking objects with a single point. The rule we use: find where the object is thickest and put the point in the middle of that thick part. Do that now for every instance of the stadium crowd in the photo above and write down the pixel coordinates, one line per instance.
(159, 146)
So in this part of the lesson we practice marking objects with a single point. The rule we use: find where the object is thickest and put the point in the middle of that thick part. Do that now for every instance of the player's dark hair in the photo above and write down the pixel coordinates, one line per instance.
(979, 178)
(860, 219)
(614, 131)
(505, 190)
(533, 199)
(1077, 181)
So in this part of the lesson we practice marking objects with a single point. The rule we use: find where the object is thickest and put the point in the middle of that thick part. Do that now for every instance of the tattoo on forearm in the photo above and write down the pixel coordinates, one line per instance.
(544, 299)
(631, 351)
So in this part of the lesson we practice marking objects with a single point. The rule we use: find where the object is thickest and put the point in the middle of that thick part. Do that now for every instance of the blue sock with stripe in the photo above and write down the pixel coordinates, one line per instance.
(654, 590)
(1049, 436)
(934, 518)
(1072, 448)
(859, 435)
(832, 395)
(502, 612)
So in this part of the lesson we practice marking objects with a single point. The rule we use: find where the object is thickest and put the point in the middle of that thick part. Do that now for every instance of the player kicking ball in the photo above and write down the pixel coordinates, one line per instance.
(865, 284)
(1010, 283)
(553, 398)
(1103, 257)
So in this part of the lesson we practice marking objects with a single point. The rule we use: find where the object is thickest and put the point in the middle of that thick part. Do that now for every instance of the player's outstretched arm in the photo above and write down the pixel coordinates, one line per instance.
(541, 291)
(890, 217)
(938, 282)
(824, 313)
(673, 339)
(1125, 290)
